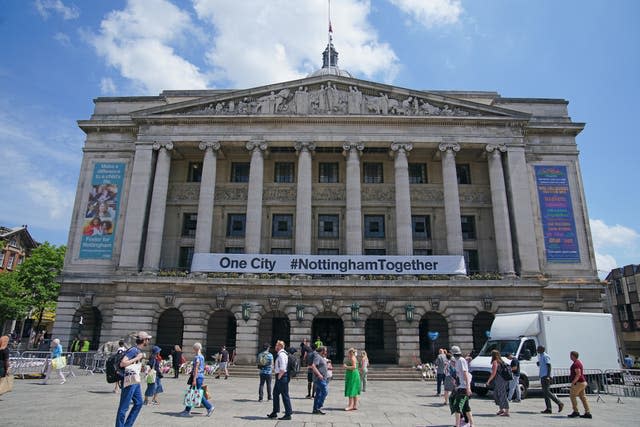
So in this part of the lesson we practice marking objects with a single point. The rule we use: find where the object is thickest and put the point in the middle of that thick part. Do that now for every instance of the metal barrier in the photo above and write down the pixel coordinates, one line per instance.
(623, 383)
(596, 382)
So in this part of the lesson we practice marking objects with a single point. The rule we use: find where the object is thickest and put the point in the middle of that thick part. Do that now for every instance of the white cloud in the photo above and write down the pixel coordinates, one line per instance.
(44, 7)
(138, 41)
(107, 86)
(615, 245)
(605, 263)
(63, 39)
(430, 13)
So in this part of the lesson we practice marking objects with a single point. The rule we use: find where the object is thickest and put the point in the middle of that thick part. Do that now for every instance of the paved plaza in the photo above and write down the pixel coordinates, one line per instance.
(88, 400)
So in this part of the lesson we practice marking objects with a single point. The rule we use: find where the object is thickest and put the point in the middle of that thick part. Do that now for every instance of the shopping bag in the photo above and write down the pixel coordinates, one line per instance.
(205, 392)
(6, 384)
(59, 362)
(193, 397)
(151, 376)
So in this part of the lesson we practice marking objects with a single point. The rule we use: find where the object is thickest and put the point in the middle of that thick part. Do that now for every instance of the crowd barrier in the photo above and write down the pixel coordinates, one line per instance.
(35, 363)
(623, 383)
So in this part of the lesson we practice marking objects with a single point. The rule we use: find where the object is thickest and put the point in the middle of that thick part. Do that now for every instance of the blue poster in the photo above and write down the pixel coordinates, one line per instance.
(556, 210)
(101, 212)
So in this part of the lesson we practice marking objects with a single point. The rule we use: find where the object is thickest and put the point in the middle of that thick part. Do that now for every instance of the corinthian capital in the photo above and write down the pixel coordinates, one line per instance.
(454, 147)
(401, 146)
(496, 148)
(166, 145)
(205, 145)
(304, 146)
(257, 144)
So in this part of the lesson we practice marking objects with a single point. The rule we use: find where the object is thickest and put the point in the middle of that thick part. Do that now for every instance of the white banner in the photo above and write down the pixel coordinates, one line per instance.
(328, 264)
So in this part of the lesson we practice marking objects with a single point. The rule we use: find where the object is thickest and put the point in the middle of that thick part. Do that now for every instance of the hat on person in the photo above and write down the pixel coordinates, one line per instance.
(266, 346)
(155, 349)
(455, 350)
(142, 335)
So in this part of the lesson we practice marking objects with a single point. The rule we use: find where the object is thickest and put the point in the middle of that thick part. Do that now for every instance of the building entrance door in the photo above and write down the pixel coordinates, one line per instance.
(330, 329)
(274, 326)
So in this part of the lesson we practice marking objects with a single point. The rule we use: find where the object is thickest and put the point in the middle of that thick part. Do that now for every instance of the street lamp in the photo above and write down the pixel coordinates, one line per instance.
(300, 312)
(246, 311)
(355, 311)
(408, 311)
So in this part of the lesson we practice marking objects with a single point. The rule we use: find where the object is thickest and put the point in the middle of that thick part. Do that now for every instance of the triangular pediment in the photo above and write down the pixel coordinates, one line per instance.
(328, 95)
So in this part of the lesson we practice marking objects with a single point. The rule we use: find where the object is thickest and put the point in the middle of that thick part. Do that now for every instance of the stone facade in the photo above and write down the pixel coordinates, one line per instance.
(211, 170)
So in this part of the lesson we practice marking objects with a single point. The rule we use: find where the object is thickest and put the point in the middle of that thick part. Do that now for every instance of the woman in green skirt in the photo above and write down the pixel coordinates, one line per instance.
(351, 379)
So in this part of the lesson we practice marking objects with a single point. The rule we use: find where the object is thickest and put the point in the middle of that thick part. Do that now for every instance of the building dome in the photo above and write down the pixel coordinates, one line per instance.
(330, 64)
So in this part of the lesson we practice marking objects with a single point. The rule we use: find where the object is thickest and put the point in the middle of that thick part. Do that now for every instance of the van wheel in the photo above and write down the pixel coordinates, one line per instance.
(523, 389)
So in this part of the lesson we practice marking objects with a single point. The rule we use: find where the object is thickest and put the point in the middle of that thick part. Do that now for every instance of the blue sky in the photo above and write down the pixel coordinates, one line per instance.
(58, 55)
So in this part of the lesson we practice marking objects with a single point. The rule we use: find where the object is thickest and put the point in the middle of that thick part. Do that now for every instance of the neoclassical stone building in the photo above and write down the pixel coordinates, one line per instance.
(330, 167)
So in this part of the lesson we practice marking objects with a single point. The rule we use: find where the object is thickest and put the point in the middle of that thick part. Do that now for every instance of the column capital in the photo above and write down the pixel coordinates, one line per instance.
(157, 145)
(352, 145)
(257, 144)
(496, 148)
(401, 146)
(301, 146)
(453, 146)
(205, 145)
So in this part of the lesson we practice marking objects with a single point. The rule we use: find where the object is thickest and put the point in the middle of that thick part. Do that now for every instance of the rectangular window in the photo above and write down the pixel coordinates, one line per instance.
(417, 173)
(1, 259)
(328, 226)
(374, 226)
(420, 252)
(195, 172)
(421, 226)
(283, 172)
(471, 260)
(375, 251)
(281, 251)
(236, 225)
(618, 285)
(186, 255)
(282, 226)
(233, 250)
(189, 222)
(468, 227)
(328, 251)
(373, 173)
(239, 172)
(12, 257)
(328, 173)
(463, 171)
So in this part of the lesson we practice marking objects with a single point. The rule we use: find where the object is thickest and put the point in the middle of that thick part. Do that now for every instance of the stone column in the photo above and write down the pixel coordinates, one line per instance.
(158, 208)
(303, 198)
(522, 214)
(354, 203)
(136, 208)
(500, 210)
(254, 197)
(451, 198)
(404, 233)
(207, 195)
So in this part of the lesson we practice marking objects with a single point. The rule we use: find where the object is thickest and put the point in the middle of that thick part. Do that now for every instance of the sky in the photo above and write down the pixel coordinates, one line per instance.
(56, 56)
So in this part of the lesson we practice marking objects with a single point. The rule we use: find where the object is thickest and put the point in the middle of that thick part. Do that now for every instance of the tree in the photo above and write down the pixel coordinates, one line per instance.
(13, 304)
(37, 277)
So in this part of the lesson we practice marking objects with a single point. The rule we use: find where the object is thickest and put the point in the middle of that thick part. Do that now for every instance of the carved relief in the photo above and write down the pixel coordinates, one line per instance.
(475, 195)
(230, 193)
(328, 193)
(183, 192)
(427, 194)
(279, 192)
(379, 192)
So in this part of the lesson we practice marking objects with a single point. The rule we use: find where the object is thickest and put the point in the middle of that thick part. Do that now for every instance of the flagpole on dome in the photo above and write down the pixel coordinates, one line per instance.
(329, 34)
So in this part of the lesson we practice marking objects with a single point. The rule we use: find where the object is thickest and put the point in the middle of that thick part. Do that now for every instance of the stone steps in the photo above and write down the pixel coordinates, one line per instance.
(376, 373)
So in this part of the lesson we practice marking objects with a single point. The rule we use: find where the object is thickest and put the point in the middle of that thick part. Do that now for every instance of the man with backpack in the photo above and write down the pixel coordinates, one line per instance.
(265, 364)
(311, 388)
(281, 387)
(131, 390)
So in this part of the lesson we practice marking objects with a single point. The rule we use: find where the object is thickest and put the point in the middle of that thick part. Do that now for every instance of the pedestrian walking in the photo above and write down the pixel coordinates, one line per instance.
(514, 384)
(130, 384)
(449, 377)
(55, 358)
(281, 387)
(196, 379)
(265, 364)
(4, 356)
(320, 370)
(224, 362)
(459, 401)
(310, 356)
(351, 380)
(154, 375)
(122, 348)
(544, 364)
(500, 386)
(177, 359)
(441, 360)
(578, 386)
(364, 370)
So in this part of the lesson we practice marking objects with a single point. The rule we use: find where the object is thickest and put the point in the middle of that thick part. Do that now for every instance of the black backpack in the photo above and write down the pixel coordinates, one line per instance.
(113, 371)
(293, 366)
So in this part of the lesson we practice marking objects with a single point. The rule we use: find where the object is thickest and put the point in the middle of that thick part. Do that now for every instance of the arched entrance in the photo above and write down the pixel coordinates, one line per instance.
(481, 326)
(170, 330)
(221, 330)
(87, 323)
(380, 338)
(330, 328)
(432, 324)
(274, 326)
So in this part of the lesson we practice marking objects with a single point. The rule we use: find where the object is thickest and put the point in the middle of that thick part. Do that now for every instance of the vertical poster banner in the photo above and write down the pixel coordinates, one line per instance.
(556, 210)
(99, 225)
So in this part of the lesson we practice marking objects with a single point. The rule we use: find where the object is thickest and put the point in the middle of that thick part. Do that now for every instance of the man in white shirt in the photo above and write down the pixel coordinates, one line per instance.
(281, 386)
(462, 394)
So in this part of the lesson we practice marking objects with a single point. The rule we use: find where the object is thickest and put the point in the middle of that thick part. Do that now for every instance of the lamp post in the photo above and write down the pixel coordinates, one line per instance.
(246, 311)
(300, 312)
(408, 311)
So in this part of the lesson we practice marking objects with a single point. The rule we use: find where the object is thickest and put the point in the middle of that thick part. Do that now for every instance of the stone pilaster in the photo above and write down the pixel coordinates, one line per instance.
(136, 208)
(522, 215)
(254, 197)
(158, 208)
(500, 209)
(303, 198)
(207, 197)
(451, 198)
(404, 234)
(352, 151)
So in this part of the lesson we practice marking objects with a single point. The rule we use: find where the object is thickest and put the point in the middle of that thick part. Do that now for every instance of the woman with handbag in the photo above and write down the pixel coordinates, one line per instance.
(6, 380)
(154, 376)
(499, 371)
(56, 361)
(195, 385)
